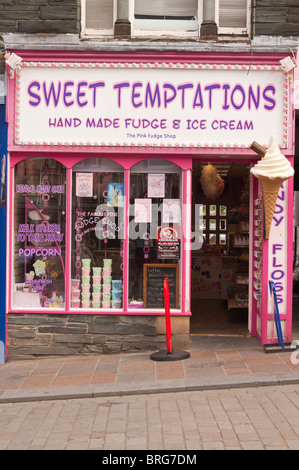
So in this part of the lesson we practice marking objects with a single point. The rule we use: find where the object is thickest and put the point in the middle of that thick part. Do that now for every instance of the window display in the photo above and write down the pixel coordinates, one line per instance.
(97, 262)
(39, 234)
(83, 258)
(155, 233)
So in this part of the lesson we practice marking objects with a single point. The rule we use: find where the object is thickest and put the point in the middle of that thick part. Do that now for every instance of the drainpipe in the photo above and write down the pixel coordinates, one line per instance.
(122, 26)
(208, 28)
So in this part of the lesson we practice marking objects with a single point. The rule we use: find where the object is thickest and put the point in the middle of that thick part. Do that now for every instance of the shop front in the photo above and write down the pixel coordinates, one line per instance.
(220, 267)
(124, 171)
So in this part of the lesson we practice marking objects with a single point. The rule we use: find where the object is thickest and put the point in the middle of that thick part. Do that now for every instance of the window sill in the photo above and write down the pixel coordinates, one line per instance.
(169, 35)
(162, 33)
(97, 34)
(100, 311)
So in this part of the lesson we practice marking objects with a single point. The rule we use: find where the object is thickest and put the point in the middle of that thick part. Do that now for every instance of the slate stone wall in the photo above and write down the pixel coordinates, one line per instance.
(36, 335)
(275, 17)
(270, 17)
(40, 16)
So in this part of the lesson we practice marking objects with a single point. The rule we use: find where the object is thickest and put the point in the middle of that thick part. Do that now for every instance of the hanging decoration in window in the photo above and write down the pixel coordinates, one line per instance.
(211, 182)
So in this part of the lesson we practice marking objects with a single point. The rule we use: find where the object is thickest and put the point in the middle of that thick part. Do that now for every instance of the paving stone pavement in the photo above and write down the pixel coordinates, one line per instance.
(214, 362)
(255, 418)
(229, 394)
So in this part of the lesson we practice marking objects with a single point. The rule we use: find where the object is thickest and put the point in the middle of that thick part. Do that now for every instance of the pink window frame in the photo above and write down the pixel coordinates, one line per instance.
(126, 163)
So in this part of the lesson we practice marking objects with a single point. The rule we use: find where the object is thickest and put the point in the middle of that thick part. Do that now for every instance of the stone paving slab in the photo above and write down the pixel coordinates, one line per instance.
(140, 388)
(214, 363)
(254, 418)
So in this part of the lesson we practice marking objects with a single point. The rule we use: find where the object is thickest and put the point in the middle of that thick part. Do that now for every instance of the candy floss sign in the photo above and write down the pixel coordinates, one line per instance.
(153, 104)
(277, 252)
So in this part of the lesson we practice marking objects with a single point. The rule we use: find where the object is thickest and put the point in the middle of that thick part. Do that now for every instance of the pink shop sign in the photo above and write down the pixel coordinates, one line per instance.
(143, 105)
(277, 251)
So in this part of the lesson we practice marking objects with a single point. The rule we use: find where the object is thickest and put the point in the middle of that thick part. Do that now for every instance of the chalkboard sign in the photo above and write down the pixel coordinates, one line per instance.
(153, 290)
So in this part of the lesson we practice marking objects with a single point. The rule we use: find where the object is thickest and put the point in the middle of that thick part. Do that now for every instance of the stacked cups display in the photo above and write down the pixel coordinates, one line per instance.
(107, 269)
(86, 263)
(107, 263)
(85, 294)
(116, 293)
(75, 293)
(96, 287)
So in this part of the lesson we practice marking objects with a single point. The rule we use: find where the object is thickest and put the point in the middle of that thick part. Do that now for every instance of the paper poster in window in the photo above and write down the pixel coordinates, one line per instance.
(115, 196)
(143, 210)
(156, 185)
(84, 184)
(171, 211)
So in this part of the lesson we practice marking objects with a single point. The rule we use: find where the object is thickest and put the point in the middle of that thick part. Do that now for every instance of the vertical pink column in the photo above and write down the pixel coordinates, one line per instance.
(126, 240)
(277, 260)
(290, 257)
(186, 241)
(10, 240)
(68, 237)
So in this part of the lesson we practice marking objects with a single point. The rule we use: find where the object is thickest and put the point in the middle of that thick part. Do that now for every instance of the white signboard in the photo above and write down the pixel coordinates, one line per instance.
(159, 105)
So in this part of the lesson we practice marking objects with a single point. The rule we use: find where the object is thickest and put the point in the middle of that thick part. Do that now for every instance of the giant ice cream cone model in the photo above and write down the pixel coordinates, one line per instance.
(270, 193)
(272, 170)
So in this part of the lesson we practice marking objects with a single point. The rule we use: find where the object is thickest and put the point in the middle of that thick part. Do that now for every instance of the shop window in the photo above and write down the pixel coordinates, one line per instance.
(212, 223)
(232, 16)
(97, 260)
(155, 227)
(212, 238)
(222, 239)
(98, 17)
(222, 211)
(166, 15)
(213, 209)
(185, 18)
(222, 224)
(39, 234)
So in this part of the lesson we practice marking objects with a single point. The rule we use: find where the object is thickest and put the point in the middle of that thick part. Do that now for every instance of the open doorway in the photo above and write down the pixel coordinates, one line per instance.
(220, 267)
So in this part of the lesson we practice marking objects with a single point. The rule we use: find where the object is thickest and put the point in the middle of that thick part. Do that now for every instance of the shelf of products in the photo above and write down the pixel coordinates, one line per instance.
(237, 295)
(257, 254)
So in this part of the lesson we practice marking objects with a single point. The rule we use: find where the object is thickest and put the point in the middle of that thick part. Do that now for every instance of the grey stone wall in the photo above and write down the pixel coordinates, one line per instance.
(31, 336)
(277, 18)
(270, 17)
(40, 16)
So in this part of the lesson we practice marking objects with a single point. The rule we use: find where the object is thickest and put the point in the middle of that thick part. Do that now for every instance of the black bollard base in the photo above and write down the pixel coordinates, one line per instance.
(169, 356)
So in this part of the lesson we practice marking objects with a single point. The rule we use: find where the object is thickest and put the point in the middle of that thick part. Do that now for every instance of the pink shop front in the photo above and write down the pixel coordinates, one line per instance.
(107, 155)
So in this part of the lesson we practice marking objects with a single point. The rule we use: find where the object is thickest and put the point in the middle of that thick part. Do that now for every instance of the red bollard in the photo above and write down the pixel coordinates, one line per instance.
(168, 355)
(167, 315)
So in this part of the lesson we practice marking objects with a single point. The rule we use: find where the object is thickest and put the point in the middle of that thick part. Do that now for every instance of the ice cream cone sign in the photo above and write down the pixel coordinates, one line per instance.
(272, 170)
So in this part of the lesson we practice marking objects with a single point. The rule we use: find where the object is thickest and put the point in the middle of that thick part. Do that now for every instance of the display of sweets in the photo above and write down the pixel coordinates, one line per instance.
(75, 293)
(86, 262)
(98, 289)
(56, 301)
(116, 293)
